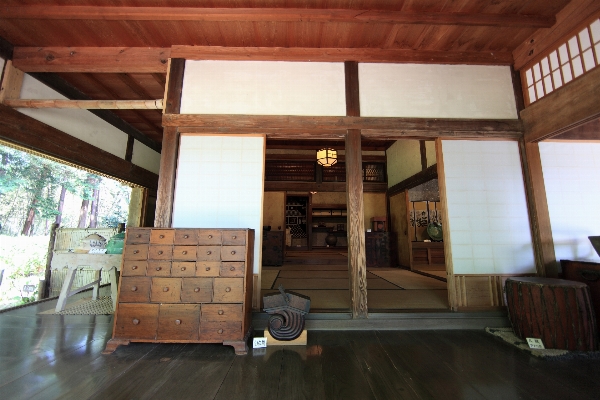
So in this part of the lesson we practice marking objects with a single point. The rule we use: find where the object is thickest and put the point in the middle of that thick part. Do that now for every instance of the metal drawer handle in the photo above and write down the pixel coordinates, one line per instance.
(589, 275)
(196, 289)
(221, 312)
(160, 252)
(185, 236)
(158, 268)
(136, 251)
(166, 289)
(208, 268)
(208, 253)
(162, 236)
(183, 268)
(134, 288)
(184, 252)
(228, 289)
(210, 236)
(138, 235)
(234, 237)
(177, 322)
(220, 331)
(232, 269)
(233, 252)
(134, 267)
(135, 321)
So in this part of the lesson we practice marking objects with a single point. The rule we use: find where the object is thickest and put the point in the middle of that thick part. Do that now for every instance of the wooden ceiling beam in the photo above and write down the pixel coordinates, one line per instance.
(340, 55)
(272, 14)
(334, 128)
(92, 59)
(586, 132)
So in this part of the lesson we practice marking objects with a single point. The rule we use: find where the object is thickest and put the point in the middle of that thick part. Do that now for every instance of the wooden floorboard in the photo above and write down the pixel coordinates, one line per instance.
(59, 357)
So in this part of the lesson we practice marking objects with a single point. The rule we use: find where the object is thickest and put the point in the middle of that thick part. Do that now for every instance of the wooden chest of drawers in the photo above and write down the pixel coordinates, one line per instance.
(185, 285)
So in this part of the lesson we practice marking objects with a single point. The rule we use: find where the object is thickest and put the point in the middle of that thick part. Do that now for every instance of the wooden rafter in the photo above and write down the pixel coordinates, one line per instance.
(87, 104)
(273, 14)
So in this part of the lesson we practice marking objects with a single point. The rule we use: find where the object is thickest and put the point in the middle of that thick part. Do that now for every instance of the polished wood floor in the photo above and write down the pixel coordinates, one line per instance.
(59, 357)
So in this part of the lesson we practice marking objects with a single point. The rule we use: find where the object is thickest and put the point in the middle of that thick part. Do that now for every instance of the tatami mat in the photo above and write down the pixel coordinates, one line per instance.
(314, 267)
(323, 299)
(316, 274)
(308, 283)
(268, 277)
(407, 299)
(409, 280)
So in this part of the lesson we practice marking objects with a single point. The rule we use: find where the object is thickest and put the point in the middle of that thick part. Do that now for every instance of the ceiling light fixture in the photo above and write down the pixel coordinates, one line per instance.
(327, 157)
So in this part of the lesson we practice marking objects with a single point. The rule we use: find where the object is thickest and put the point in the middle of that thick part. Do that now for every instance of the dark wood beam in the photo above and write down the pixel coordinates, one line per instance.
(586, 132)
(357, 262)
(308, 127)
(272, 15)
(311, 157)
(168, 160)
(66, 89)
(573, 105)
(423, 151)
(282, 186)
(341, 55)
(417, 179)
(22, 130)
(6, 49)
(92, 59)
(568, 20)
(352, 89)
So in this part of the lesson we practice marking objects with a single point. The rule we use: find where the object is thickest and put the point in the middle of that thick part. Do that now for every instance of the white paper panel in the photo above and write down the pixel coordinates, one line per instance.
(143, 156)
(487, 210)
(220, 184)
(81, 124)
(571, 177)
(436, 91)
(263, 88)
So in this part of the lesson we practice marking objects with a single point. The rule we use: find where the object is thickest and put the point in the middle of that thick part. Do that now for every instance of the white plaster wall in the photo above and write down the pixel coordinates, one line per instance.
(436, 91)
(571, 172)
(220, 184)
(487, 211)
(403, 160)
(143, 156)
(78, 123)
(263, 88)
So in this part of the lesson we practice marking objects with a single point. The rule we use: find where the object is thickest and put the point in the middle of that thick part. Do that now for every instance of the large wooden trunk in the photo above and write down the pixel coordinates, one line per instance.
(557, 311)
(381, 248)
(272, 247)
(185, 285)
(585, 272)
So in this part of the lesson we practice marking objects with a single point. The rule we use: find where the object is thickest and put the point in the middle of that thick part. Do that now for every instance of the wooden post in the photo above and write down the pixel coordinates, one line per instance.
(170, 148)
(357, 261)
(45, 292)
(136, 206)
(12, 80)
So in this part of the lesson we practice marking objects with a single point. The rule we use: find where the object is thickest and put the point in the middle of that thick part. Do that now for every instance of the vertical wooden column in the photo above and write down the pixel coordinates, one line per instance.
(136, 207)
(12, 80)
(357, 261)
(170, 146)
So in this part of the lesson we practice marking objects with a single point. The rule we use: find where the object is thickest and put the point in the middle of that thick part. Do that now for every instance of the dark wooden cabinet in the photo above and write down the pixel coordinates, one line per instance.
(587, 272)
(381, 248)
(272, 247)
(185, 285)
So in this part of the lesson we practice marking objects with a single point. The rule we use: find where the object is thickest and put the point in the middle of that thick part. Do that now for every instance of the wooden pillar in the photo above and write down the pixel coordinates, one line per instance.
(357, 261)
(136, 207)
(170, 146)
(539, 216)
(12, 80)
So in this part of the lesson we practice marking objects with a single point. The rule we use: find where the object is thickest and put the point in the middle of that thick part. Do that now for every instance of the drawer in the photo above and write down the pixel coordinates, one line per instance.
(232, 269)
(178, 321)
(228, 290)
(136, 321)
(208, 268)
(162, 236)
(209, 236)
(234, 238)
(135, 252)
(160, 252)
(186, 237)
(136, 235)
(159, 268)
(197, 290)
(184, 253)
(221, 312)
(134, 268)
(134, 289)
(209, 253)
(165, 290)
(233, 253)
(183, 268)
(221, 331)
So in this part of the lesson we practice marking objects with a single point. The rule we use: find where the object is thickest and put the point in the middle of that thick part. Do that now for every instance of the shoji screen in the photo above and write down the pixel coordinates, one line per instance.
(220, 184)
(571, 177)
(487, 211)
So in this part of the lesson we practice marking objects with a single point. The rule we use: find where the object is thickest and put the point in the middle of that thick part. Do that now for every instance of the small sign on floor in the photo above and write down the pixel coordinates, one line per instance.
(259, 342)
(535, 343)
